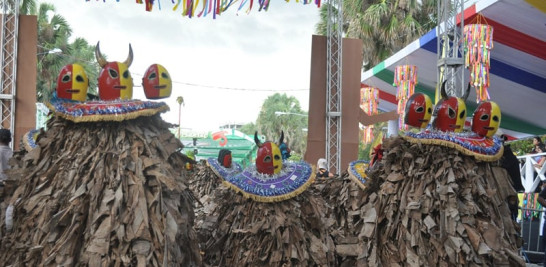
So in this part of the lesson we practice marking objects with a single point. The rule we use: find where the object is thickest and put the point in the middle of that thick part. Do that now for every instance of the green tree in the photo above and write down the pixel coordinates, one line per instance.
(384, 26)
(53, 34)
(81, 52)
(27, 7)
(249, 128)
(294, 125)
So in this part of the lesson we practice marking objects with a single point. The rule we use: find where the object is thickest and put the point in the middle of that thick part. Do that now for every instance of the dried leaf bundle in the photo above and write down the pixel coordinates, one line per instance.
(438, 207)
(203, 183)
(292, 232)
(353, 213)
(103, 194)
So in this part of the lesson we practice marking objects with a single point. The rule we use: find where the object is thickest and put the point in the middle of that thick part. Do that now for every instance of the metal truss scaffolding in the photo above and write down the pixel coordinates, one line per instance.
(333, 88)
(449, 47)
(10, 28)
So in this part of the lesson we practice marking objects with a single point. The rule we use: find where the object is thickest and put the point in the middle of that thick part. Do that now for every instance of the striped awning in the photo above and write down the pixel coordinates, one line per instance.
(518, 65)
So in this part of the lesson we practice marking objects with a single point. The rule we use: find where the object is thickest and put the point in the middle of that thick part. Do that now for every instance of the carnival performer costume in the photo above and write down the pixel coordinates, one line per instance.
(103, 186)
(264, 216)
(438, 198)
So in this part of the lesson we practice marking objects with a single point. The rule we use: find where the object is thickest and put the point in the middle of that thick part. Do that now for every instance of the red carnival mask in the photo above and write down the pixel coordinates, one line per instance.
(268, 157)
(224, 158)
(72, 83)
(157, 82)
(418, 110)
(450, 112)
(486, 119)
(115, 81)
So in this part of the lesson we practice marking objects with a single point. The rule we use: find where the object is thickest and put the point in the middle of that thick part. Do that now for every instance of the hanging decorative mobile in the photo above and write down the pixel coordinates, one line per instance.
(478, 41)
(368, 103)
(405, 79)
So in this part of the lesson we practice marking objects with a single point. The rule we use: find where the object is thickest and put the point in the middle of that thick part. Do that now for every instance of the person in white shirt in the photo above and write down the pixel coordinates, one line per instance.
(5, 152)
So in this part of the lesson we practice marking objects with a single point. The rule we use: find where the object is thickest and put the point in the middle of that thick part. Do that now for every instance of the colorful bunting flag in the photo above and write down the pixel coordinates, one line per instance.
(478, 41)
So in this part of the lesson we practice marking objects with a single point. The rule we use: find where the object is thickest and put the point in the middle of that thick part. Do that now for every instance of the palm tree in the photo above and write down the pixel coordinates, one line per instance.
(271, 124)
(384, 26)
(27, 7)
(53, 32)
(180, 101)
(81, 52)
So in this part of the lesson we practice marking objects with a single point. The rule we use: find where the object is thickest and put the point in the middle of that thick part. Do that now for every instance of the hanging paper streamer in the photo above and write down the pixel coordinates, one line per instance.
(405, 79)
(478, 41)
(367, 135)
(216, 7)
(368, 100)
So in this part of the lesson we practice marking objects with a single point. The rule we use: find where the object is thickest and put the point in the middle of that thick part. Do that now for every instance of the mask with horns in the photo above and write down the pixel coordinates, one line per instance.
(418, 110)
(268, 157)
(450, 112)
(115, 81)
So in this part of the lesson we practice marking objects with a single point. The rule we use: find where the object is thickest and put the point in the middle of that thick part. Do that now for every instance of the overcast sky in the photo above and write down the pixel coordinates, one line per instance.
(259, 53)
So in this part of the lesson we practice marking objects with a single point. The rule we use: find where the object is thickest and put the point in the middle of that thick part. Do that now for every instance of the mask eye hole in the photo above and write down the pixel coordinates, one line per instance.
(164, 75)
(451, 113)
(277, 157)
(429, 110)
(267, 159)
(484, 117)
(79, 78)
(419, 109)
(495, 118)
(152, 76)
(462, 115)
(66, 78)
(126, 74)
(113, 73)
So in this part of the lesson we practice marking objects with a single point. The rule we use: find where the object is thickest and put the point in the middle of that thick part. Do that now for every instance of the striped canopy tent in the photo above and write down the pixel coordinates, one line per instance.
(518, 65)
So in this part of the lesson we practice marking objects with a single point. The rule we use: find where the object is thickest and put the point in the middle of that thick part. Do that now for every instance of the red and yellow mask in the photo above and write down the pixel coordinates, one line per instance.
(268, 157)
(157, 82)
(486, 119)
(72, 83)
(418, 110)
(450, 112)
(224, 158)
(115, 81)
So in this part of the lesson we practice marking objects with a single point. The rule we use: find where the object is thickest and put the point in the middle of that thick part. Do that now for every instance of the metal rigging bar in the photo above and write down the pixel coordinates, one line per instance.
(450, 49)
(333, 88)
(8, 75)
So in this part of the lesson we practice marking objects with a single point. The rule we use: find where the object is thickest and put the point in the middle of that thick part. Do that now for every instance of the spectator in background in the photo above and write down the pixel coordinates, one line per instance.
(541, 159)
(510, 162)
(542, 200)
(5, 153)
(536, 143)
(322, 166)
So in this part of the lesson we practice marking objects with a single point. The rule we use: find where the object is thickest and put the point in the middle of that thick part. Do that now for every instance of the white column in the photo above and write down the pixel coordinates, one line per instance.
(392, 128)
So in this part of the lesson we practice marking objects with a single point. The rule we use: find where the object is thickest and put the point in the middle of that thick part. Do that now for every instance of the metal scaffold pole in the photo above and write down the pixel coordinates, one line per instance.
(450, 49)
(333, 88)
(8, 75)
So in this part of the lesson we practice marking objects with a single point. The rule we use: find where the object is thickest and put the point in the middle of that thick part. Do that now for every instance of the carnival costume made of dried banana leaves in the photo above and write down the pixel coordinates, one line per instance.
(103, 193)
(436, 206)
(291, 232)
(350, 207)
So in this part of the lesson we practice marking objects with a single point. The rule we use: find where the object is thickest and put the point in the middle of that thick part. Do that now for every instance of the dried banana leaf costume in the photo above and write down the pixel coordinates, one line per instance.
(265, 216)
(103, 187)
(441, 196)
